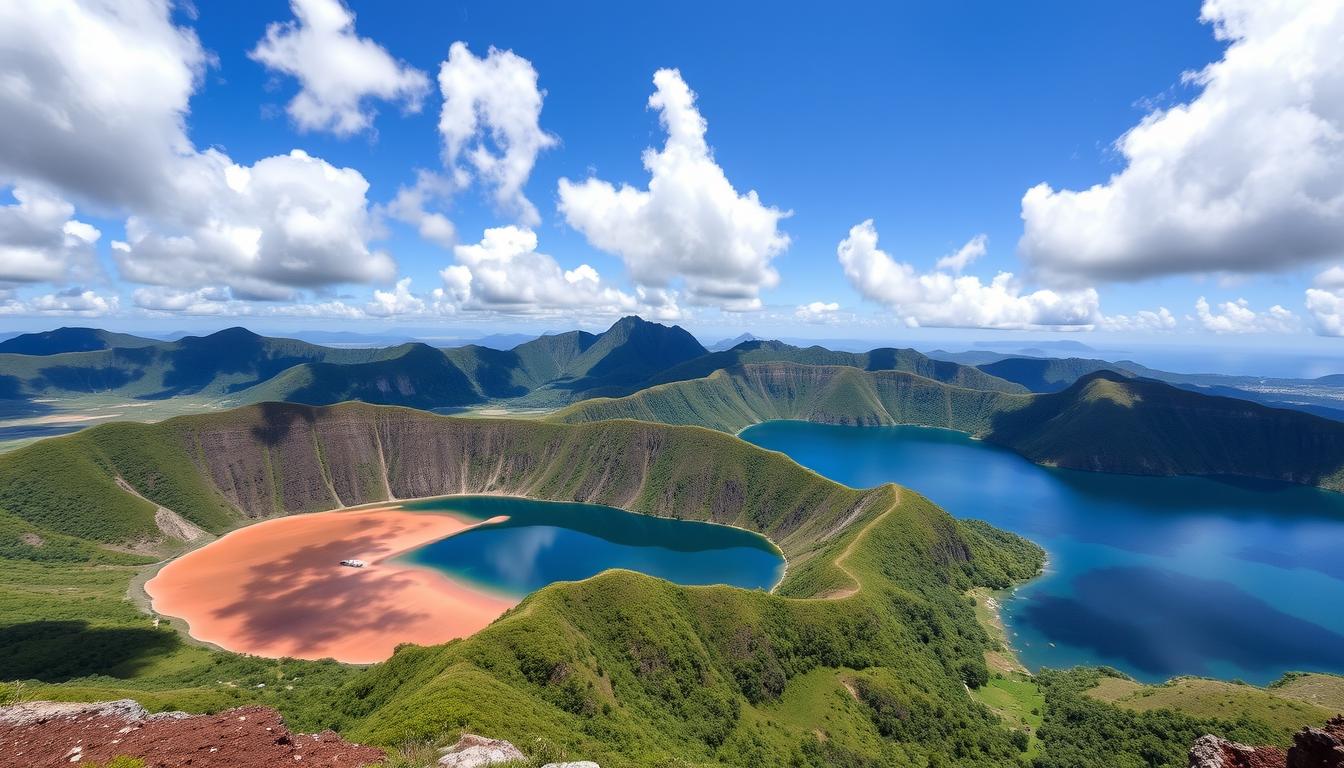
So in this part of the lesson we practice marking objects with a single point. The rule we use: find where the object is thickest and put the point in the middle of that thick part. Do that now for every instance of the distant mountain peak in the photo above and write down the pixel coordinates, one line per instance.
(69, 339)
(724, 344)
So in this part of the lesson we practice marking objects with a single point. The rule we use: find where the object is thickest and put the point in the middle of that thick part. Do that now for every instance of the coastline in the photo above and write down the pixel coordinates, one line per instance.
(989, 613)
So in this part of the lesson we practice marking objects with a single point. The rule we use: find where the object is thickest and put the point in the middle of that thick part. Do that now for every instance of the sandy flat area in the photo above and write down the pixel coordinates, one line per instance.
(277, 589)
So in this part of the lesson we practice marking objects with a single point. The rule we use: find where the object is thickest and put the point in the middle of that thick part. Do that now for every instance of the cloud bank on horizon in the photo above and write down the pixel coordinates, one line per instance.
(1246, 178)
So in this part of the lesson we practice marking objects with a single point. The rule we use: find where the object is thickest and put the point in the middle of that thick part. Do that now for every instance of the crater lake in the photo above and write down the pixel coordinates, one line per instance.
(1156, 577)
(544, 542)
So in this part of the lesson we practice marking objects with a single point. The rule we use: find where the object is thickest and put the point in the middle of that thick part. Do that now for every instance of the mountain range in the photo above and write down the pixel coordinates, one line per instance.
(1069, 412)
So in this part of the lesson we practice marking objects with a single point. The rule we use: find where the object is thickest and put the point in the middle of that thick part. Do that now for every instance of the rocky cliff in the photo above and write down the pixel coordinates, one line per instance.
(1312, 748)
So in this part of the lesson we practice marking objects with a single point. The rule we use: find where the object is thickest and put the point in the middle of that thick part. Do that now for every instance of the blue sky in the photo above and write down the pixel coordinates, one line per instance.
(930, 120)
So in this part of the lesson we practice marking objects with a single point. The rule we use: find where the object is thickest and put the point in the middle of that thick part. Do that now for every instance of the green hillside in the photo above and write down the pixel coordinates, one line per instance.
(884, 359)
(214, 365)
(729, 400)
(1048, 374)
(1106, 422)
(1103, 422)
(622, 668)
(70, 340)
(419, 376)
(1319, 397)
(242, 367)
(628, 354)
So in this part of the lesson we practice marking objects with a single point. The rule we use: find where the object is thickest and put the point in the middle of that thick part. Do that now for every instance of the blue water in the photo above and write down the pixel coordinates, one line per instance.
(544, 542)
(1154, 576)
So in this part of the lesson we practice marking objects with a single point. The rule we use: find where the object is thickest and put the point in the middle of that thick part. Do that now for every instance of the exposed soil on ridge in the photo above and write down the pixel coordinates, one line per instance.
(46, 735)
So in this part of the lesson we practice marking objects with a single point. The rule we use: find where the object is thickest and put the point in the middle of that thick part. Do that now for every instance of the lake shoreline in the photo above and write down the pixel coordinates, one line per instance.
(276, 589)
(1160, 577)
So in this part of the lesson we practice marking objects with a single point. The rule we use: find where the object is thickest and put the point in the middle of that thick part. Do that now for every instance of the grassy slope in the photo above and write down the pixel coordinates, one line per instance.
(419, 377)
(1139, 426)
(622, 668)
(1104, 422)
(885, 359)
(70, 340)
(729, 400)
(213, 365)
(1216, 699)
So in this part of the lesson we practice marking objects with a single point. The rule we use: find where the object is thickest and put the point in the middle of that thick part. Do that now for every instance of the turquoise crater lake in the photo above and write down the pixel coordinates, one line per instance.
(544, 542)
(1157, 577)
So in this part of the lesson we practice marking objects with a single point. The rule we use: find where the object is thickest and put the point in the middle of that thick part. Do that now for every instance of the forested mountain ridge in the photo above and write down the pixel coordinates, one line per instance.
(1104, 422)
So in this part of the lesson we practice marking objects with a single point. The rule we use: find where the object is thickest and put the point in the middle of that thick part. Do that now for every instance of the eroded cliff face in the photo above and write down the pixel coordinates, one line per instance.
(285, 459)
(1312, 748)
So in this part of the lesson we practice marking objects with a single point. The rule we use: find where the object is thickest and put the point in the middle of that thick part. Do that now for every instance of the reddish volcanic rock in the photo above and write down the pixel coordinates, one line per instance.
(1319, 747)
(1215, 752)
(1312, 748)
(48, 734)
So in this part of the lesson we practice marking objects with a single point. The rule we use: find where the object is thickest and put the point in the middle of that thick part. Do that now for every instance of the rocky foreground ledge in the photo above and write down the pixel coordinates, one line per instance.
(46, 734)
(1312, 748)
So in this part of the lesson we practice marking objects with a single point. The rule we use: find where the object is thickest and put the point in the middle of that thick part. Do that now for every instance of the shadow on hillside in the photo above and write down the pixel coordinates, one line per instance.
(20, 407)
(36, 431)
(494, 373)
(278, 419)
(57, 651)
(1141, 426)
(11, 388)
(77, 378)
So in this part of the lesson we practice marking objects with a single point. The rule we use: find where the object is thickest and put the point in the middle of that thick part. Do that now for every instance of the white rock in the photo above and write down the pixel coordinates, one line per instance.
(472, 751)
(578, 764)
(31, 712)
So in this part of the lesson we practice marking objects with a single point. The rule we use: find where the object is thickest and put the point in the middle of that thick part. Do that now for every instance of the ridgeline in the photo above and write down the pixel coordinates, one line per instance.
(1105, 422)
(869, 633)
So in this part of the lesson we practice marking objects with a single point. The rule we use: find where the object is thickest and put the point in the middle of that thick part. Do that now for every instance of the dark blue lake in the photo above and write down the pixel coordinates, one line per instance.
(544, 542)
(1154, 576)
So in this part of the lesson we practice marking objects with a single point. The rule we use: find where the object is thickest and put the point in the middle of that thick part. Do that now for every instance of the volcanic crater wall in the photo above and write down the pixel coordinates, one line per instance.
(283, 459)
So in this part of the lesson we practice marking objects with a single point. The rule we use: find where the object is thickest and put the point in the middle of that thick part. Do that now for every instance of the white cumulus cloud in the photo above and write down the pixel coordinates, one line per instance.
(1238, 317)
(691, 224)
(338, 71)
(817, 311)
(76, 302)
(943, 299)
(505, 273)
(1325, 302)
(1246, 177)
(973, 249)
(95, 97)
(491, 121)
(1146, 320)
(41, 241)
(291, 221)
(415, 205)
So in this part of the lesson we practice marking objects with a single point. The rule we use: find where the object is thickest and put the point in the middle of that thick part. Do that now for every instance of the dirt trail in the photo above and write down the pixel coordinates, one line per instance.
(169, 523)
(850, 591)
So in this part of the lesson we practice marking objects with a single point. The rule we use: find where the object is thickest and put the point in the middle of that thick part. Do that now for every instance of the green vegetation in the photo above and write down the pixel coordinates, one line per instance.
(1321, 690)
(1081, 731)
(870, 653)
(238, 367)
(1215, 699)
(70, 340)
(883, 359)
(1103, 422)
(621, 668)
(121, 761)
(729, 400)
